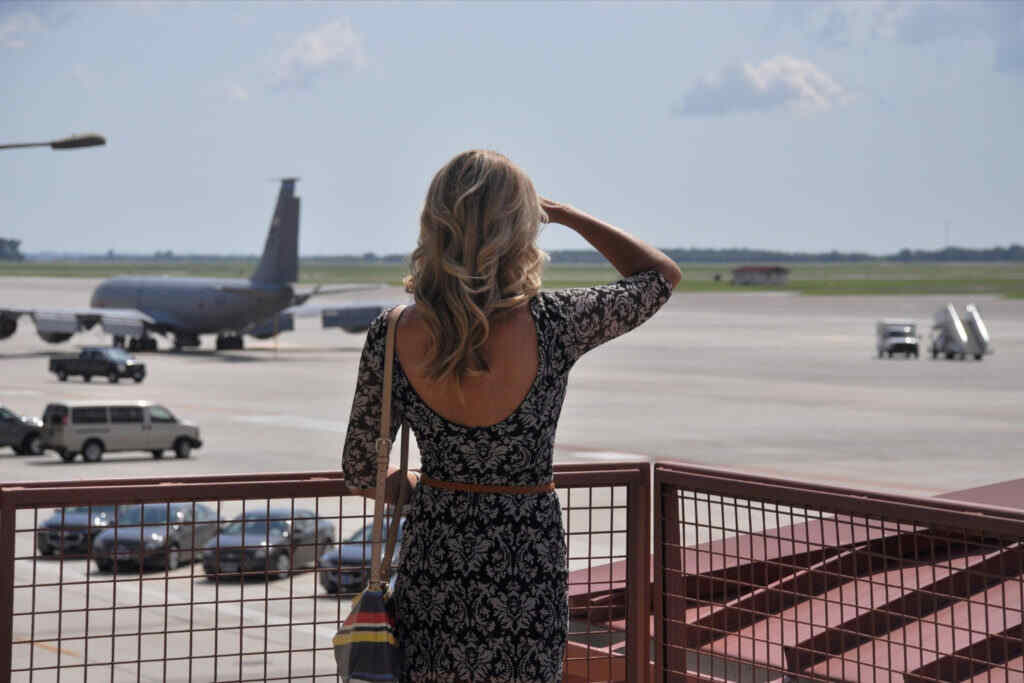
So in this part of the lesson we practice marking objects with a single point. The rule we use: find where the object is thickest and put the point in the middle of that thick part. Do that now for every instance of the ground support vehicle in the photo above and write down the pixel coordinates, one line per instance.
(156, 535)
(95, 361)
(896, 336)
(956, 337)
(267, 543)
(95, 427)
(20, 433)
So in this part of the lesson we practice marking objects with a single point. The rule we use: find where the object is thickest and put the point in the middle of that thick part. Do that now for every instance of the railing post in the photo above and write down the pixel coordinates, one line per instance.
(669, 581)
(7, 513)
(638, 574)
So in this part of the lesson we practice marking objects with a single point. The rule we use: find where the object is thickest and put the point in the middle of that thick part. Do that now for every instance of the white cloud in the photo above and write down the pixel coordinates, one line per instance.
(838, 24)
(778, 82)
(332, 47)
(15, 28)
(236, 92)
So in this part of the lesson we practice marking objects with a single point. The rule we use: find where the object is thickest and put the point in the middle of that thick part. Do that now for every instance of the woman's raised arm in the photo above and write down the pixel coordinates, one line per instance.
(628, 254)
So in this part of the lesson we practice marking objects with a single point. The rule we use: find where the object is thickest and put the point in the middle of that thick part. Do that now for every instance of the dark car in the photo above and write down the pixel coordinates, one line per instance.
(267, 542)
(346, 567)
(99, 361)
(71, 530)
(154, 535)
(20, 433)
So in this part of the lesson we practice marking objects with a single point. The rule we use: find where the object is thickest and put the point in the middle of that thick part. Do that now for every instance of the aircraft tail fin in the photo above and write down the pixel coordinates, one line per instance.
(280, 261)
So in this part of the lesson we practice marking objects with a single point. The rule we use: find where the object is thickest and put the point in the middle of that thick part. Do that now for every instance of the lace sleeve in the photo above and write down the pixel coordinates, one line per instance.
(358, 459)
(593, 315)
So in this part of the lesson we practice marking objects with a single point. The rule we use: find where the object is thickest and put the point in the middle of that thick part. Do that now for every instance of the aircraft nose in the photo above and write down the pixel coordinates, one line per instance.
(98, 296)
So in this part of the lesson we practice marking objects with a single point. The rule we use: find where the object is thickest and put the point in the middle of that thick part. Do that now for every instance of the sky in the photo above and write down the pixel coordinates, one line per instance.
(865, 126)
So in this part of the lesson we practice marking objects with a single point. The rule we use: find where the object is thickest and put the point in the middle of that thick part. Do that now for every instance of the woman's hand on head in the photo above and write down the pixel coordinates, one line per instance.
(556, 212)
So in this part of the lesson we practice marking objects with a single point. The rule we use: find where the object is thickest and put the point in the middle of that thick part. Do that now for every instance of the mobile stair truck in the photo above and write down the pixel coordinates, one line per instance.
(954, 337)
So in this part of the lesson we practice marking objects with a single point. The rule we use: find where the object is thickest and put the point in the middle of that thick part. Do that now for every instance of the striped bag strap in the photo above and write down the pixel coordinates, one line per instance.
(379, 569)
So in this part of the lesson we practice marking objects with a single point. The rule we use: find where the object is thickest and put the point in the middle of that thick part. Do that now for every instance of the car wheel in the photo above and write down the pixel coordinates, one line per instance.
(113, 377)
(86, 378)
(157, 454)
(138, 376)
(173, 558)
(32, 445)
(62, 375)
(282, 565)
(182, 448)
(92, 451)
(67, 456)
(977, 356)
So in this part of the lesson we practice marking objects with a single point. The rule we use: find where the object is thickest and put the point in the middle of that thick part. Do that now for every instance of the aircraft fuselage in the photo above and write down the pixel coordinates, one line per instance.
(193, 304)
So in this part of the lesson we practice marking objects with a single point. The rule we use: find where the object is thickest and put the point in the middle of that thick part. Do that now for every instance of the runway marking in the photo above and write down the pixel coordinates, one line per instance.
(22, 640)
(245, 614)
(295, 422)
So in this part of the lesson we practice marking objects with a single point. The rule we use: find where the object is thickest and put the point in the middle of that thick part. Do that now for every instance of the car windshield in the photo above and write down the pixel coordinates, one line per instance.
(98, 510)
(366, 533)
(148, 514)
(119, 355)
(254, 527)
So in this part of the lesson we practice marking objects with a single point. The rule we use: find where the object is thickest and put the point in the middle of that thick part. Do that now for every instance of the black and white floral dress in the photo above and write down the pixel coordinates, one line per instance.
(481, 593)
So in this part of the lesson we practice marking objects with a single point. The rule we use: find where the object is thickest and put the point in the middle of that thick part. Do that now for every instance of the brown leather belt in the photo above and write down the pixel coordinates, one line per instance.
(486, 488)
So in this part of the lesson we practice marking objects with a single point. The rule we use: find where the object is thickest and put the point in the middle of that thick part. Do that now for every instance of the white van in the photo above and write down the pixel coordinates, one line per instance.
(94, 427)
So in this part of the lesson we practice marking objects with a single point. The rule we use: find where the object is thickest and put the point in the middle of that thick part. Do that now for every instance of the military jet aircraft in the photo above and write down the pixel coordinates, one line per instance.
(131, 308)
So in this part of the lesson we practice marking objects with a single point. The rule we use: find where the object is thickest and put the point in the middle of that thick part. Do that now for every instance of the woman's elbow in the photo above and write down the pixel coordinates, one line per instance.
(671, 272)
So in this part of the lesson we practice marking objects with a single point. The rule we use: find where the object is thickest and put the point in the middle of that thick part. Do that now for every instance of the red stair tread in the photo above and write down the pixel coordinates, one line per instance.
(923, 641)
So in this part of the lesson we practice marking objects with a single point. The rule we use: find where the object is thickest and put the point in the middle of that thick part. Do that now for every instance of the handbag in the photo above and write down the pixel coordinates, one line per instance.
(366, 647)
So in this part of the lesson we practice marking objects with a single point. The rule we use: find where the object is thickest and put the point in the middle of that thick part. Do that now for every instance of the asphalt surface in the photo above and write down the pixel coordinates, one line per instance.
(763, 382)
(768, 383)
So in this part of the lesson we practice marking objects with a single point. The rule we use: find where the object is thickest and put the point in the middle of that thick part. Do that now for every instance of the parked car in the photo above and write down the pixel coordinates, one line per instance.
(345, 568)
(98, 361)
(160, 535)
(71, 530)
(20, 433)
(95, 427)
(266, 542)
(896, 336)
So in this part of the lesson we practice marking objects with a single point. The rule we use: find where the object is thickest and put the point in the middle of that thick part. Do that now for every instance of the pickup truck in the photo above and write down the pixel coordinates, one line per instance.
(112, 363)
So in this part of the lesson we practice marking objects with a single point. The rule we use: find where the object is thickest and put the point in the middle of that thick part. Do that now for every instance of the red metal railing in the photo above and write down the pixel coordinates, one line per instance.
(759, 579)
(137, 580)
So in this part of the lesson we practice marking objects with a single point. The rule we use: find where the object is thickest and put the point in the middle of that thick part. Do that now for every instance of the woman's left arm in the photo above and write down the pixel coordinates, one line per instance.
(359, 456)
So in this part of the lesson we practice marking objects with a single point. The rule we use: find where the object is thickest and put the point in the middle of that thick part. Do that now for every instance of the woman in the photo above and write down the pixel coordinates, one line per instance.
(482, 361)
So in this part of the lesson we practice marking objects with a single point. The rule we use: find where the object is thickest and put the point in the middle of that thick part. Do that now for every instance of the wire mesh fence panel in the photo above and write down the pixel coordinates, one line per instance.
(762, 580)
(248, 579)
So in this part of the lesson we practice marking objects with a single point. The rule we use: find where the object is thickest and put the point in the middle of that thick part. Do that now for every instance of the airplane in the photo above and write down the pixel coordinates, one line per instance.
(131, 308)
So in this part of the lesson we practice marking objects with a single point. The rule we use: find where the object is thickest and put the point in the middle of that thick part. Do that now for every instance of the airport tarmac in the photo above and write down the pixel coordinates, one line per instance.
(768, 382)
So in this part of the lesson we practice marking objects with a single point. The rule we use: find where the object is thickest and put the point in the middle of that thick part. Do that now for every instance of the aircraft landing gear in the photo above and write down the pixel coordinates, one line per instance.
(184, 339)
(230, 342)
(146, 343)
(118, 341)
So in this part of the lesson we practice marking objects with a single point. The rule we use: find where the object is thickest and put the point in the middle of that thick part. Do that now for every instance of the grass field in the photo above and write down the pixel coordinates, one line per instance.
(871, 278)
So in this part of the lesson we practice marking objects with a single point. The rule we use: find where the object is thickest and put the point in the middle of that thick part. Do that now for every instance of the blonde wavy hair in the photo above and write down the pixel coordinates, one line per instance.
(476, 257)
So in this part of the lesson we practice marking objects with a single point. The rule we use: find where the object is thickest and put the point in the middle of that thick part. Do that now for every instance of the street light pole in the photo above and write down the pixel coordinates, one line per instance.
(73, 142)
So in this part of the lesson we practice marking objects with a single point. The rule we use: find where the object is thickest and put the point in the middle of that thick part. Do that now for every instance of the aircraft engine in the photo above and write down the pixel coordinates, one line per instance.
(7, 326)
(283, 322)
(54, 337)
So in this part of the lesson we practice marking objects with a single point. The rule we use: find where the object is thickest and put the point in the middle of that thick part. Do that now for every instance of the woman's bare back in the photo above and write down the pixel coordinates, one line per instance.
(486, 399)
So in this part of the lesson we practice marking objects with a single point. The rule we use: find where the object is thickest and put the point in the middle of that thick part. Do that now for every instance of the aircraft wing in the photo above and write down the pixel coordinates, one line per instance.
(58, 324)
(302, 297)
